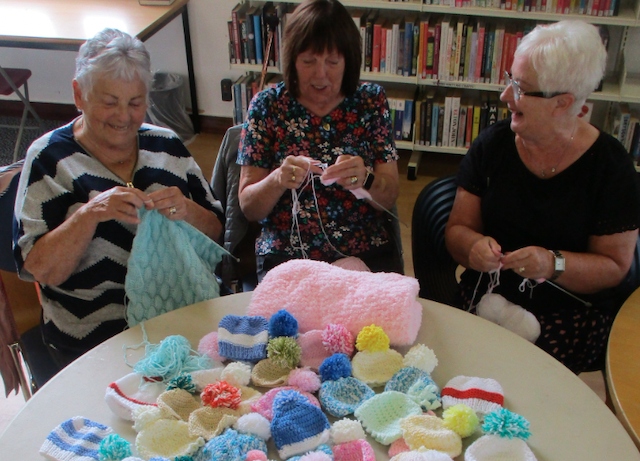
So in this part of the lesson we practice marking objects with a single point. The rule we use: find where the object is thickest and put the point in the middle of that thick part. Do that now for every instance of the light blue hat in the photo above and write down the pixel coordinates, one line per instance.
(418, 385)
(231, 445)
(340, 393)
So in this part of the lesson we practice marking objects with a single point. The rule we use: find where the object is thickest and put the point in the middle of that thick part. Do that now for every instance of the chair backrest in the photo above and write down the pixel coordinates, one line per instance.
(432, 264)
(9, 177)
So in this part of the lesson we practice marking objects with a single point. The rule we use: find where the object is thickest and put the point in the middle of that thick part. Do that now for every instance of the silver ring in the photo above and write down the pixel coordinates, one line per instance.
(354, 179)
(173, 210)
(521, 270)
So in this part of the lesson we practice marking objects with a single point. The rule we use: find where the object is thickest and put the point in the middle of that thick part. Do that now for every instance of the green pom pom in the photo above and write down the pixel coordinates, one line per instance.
(114, 448)
(507, 424)
(461, 419)
(184, 381)
(284, 351)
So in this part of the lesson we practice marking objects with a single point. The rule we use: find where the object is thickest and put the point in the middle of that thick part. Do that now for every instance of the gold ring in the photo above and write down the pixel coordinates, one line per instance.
(293, 178)
(173, 210)
(354, 179)
(521, 270)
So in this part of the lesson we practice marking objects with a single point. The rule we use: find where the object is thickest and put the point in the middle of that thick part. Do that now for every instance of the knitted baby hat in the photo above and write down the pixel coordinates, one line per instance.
(264, 405)
(375, 363)
(231, 445)
(76, 439)
(130, 392)
(414, 378)
(381, 415)
(168, 438)
(429, 431)
(341, 394)
(483, 395)
(349, 442)
(495, 448)
(421, 454)
(243, 338)
(297, 426)
(317, 345)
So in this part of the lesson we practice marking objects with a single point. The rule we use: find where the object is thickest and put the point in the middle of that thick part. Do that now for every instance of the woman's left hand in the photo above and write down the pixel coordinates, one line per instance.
(348, 171)
(531, 262)
(170, 202)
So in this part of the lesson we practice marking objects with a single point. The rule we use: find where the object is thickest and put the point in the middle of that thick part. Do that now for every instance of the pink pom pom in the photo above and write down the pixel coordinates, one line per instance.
(397, 447)
(256, 455)
(336, 338)
(221, 394)
(305, 380)
(208, 345)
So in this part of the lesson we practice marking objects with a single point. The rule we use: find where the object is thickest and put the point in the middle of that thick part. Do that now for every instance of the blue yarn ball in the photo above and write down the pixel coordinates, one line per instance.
(335, 367)
(282, 323)
(114, 448)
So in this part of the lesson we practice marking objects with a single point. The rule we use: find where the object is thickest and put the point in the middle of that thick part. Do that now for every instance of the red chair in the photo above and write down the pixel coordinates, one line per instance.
(10, 82)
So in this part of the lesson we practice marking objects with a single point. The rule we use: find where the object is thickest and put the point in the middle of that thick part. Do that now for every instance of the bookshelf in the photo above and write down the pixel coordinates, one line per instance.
(621, 84)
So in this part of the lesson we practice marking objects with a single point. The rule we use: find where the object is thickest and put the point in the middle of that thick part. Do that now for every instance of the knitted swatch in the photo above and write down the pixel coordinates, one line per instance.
(172, 264)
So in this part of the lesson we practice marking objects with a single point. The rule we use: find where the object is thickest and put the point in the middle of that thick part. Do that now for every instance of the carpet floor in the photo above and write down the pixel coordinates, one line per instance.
(8, 136)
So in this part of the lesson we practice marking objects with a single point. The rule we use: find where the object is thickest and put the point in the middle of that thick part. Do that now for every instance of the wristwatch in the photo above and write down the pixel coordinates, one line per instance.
(558, 264)
(368, 180)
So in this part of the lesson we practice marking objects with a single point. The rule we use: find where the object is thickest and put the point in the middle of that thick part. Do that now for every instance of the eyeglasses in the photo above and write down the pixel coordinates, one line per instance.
(517, 91)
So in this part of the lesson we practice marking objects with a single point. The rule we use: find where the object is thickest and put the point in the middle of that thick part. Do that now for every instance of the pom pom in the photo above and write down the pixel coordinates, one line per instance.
(507, 424)
(397, 447)
(346, 430)
(282, 323)
(372, 339)
(114, 448)
(208, 346)
(335, 367)
(254, 423)
(237, 374)
(304, 379)
(421, 357)
(184, 382)
(316, 456)
(337, 338)
(461, 419)
(221, 394)
(284, 351)
(256, 455)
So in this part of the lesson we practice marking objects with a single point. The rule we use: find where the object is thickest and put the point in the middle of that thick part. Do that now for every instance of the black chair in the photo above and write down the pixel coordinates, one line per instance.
(31, 357)
(433, 266)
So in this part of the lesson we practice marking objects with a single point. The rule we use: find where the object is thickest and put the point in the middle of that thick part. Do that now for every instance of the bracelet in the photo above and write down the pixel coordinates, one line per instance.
(368, 180)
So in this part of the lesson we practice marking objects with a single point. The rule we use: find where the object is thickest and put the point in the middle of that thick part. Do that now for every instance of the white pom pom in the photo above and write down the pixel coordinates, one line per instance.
(517, 319)
(202, 378)
(421, 357)
(254, 423)
(237, 374)
(346, 430)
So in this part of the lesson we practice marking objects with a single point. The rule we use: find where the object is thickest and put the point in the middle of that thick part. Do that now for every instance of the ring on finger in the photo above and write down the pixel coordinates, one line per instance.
(354, 179)
(521, 270)
(293, 178)
(173, 210)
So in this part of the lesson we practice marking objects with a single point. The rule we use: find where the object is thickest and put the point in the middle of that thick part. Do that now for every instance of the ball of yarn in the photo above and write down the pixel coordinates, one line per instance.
(237, 374)
(506, 423)
(373, 339)
(461, 419)
(337, 338)
(184, 382)
(114, 448)
(169, 359)
(282, 323)
(335, 367)
(221, 394)
(304, 379)
(256, 455)
(284, 351)
(422, 357)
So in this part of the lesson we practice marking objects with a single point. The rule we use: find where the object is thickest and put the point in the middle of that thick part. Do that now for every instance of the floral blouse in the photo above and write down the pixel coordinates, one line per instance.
(331, 222)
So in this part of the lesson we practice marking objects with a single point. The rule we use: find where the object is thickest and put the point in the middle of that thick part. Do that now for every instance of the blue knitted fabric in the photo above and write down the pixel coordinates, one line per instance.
(243, 338)
(231, 445)
(75, 439)
(171, 265)
(418, 385)
(297, 426)
(341, 397)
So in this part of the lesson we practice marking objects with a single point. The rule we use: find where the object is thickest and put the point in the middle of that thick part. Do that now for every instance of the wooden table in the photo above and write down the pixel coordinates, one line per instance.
(568, 420)
(623, 365)
(66, 24)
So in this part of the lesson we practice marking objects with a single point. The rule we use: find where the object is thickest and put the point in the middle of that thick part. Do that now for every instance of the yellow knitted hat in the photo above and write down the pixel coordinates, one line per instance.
(430, 432)
(167, 438)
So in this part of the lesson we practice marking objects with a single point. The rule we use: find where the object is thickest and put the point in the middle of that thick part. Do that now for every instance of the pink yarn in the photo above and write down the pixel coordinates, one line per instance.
(397, 447)
(352, 263)
(256, 455)
(305, 380)
(356, 450)
(336, 338)
(357, 299)
(208, 346)
(313, 350)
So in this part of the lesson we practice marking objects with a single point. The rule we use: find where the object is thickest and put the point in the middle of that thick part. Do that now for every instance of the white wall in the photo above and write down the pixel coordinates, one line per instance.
(53, 70)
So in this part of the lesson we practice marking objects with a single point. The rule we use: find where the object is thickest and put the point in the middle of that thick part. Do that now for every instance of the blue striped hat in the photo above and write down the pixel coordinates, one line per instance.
(243, 338)
(76, 439)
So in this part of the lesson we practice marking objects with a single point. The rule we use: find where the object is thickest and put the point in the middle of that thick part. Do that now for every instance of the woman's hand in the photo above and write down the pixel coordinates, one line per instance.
(294, 170)
(485, 255)
(170, 202)
(348, 171)
(531, 262)
(119, 203)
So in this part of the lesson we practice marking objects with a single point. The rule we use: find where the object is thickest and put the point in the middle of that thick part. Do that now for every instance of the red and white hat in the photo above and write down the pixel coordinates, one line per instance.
(483, 395)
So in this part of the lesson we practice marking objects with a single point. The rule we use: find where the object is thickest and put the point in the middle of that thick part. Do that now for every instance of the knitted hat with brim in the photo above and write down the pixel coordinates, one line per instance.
(429, 431)
(421, 455)
(483, 395)
(264, 405)
(418, 385)
(76, 439)
(231, 445)
(243, 338)
(342, 397)
(297, 426)
(496, 448)
(130, 392)
(267, 373)
(167, 438)
(349, 442)
(381, 415)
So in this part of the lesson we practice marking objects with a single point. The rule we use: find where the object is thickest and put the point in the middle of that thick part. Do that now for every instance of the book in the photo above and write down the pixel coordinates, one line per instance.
(475, 129)
(496, 56)
(428, 117)
(469, 127)
(232, 45)
(368, 41)
(417, 124)
(377, 44)
(492, 114)
(246, 49)
(407, 119)
(462, 125)
(256, 15)
(407, 48)
(443, 64)
(454, 120)
(237, 14)
(480, 50)
(446, 120)
(487, 54)
(436, 121)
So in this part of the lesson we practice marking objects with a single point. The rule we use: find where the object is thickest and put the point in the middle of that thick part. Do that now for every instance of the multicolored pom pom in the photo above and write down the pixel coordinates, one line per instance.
(461, 419)
(221, 394)
(184, 382)
(114, 448)
(372, 339)
(284, 351)
(337, 338)
(506, 423)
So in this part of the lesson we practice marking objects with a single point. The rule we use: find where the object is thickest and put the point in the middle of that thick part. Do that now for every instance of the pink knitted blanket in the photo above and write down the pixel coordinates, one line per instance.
(318, 293)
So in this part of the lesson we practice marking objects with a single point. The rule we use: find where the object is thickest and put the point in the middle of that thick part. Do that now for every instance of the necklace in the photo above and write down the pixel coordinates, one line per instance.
(554, 168)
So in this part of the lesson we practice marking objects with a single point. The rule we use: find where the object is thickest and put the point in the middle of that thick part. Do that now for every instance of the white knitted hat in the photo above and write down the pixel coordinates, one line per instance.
(496, 448)
(484, 395)
(130, 392)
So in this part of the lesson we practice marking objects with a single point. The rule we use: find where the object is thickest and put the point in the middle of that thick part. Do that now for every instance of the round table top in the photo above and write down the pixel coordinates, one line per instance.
(568, 420)
(623, 365)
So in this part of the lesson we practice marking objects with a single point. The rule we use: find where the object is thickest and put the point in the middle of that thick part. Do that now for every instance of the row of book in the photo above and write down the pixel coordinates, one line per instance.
(245, 88)
(586, 7)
